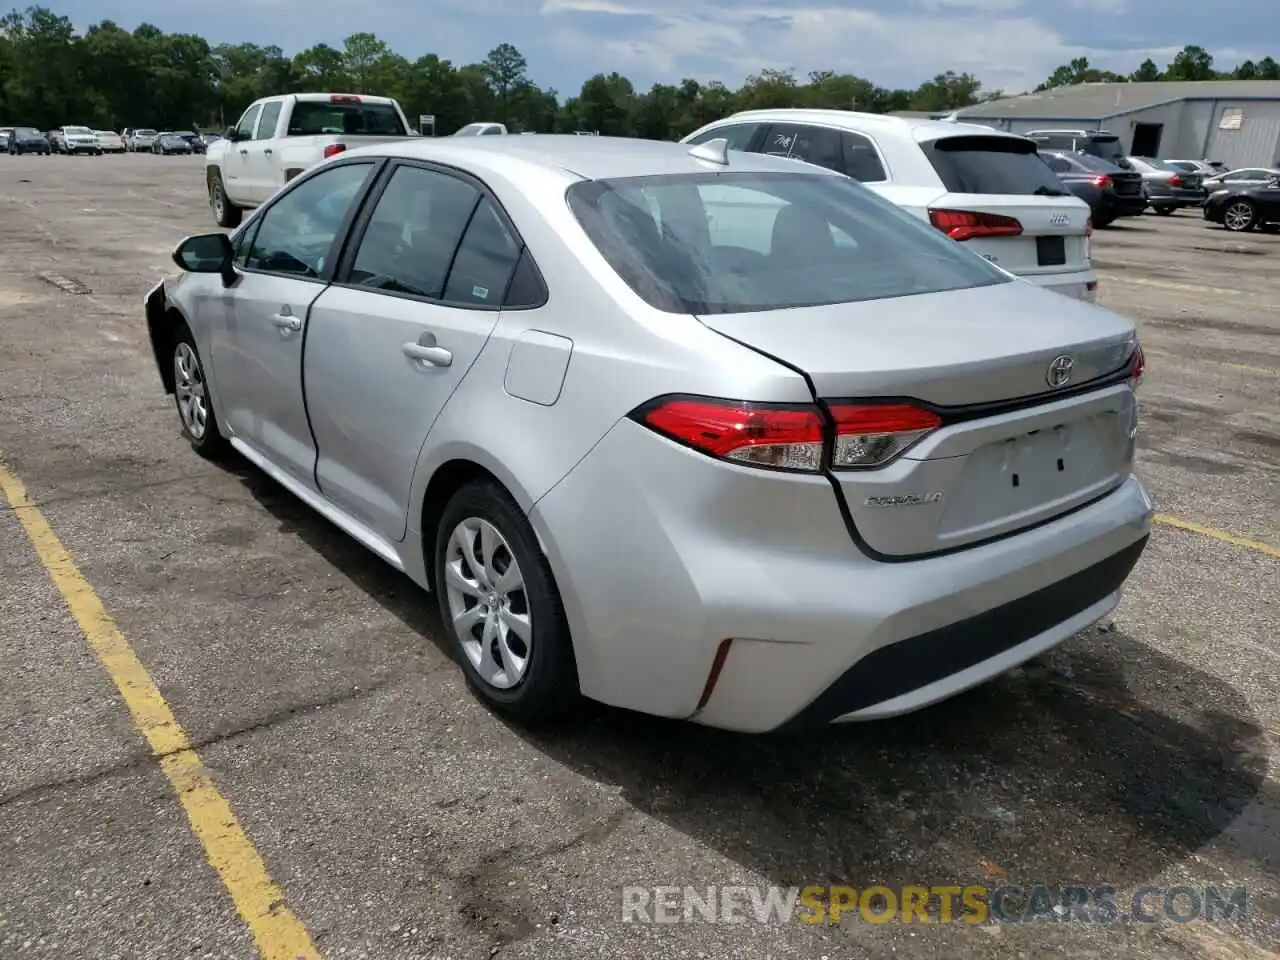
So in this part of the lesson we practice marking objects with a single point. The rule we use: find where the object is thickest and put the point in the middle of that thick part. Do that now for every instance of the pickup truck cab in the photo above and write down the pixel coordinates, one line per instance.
(277, 138)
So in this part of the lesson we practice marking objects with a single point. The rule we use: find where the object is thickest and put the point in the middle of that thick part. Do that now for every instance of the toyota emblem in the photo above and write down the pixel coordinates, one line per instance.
(1059, 373)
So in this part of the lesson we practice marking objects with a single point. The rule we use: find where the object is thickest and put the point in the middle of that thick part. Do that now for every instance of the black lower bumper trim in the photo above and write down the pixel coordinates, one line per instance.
(918, 661)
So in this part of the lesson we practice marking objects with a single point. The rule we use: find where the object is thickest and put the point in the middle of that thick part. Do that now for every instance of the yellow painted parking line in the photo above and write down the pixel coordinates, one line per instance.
(1256, 545)
(278, 933)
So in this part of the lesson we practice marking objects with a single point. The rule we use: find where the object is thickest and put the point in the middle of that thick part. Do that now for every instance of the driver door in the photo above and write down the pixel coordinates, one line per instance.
(235, 161)
(257, 345)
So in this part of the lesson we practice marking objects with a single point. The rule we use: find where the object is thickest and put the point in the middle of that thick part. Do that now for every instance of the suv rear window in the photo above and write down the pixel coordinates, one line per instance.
(999, 165)
(1108, 148)
(747, 242)
(1095, 164)
(313, 117)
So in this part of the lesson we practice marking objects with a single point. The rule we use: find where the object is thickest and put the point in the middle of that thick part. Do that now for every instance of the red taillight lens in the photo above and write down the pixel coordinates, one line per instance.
(1137, 366)
(1175, 181)
(784, 437)
(870, 435)
(1101, 180)
(343, 98)
(333, 149)
(967, 224)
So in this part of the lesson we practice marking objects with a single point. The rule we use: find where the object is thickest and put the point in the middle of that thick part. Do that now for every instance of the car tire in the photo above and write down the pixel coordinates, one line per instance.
(1101, 223)
(1240, 216)
(193, 397)
(225, 213)
(1165, 211)
(476, 611)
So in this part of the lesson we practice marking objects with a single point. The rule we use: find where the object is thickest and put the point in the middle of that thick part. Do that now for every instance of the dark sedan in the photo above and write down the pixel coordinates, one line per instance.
(1109, 191)
(27, 140)
(170, 143)
(1168, 188)
(194, 140)
(1243, 208)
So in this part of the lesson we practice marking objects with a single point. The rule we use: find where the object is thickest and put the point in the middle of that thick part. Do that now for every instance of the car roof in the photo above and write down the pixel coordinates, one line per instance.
(920, 129)
(580, 158)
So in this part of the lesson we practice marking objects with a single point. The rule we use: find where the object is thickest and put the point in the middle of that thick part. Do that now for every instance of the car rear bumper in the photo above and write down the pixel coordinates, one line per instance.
(1123, 206)
(1079, 284)
(1173, 197)
(662, 555)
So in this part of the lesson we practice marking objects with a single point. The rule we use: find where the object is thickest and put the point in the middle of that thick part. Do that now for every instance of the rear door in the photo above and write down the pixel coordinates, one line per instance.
(414, 303)
(1007, 205)
(262, 172)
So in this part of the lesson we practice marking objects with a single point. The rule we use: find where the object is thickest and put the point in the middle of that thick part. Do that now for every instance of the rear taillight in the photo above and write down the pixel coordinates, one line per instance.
(1175, 181)
(1101, 180)
(968, 224)
(790, 436)
(1137, 366)
(343, 98)
(781, 436)
(870, 435)
(333, 149)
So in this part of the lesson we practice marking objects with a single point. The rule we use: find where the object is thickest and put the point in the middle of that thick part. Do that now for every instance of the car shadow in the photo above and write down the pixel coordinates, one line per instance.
(1125, 226)
(1103, 762)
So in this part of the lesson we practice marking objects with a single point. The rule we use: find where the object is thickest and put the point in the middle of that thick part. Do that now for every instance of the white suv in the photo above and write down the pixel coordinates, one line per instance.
(983, 187)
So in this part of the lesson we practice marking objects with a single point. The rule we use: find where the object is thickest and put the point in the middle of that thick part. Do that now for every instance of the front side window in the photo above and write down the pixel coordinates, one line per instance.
(247, 122)
(739, 135)
(999, 165)
(414, 232)
(745, 242)
(267, 125)
(298, 230)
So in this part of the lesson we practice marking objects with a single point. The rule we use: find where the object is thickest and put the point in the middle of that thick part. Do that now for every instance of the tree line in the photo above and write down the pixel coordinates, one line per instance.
(111, 78)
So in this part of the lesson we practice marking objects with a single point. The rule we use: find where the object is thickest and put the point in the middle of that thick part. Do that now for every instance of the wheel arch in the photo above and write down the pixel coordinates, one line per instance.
(164, 320)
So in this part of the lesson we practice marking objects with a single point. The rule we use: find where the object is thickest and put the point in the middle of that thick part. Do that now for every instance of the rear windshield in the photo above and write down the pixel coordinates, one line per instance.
(1096, 164)
(1186, 166)
(992, 165)
(312, 117)
(1108, 148)
(145, 133)
(76, 130)
(746, 242)
(28, 132)
(1155, 164)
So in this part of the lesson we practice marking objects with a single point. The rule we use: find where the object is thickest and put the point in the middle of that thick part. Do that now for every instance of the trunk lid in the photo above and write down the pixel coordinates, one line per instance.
(986, 471)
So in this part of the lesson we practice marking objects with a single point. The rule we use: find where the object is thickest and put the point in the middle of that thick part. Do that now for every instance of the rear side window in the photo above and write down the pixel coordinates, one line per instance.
(995, 165)
(316, 117)
(739, 135)
(485, 260)
(745, 242)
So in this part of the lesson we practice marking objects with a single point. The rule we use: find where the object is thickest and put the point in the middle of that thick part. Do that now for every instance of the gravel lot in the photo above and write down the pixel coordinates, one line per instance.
(404, 821)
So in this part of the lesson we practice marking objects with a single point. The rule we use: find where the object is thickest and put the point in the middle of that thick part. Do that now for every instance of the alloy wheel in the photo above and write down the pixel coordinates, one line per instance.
(485, 594)
(1238, 216)
(188, 382)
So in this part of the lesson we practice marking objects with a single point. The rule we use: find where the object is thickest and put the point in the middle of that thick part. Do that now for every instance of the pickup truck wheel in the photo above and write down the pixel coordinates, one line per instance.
(225, 212)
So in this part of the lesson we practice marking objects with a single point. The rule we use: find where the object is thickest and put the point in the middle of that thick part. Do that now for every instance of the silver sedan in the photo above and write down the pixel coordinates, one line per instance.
(698, 433)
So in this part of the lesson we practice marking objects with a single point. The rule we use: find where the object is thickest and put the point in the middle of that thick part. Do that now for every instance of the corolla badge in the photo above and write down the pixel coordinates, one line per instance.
(1059, 220)
(1059, 372)
(904, 499)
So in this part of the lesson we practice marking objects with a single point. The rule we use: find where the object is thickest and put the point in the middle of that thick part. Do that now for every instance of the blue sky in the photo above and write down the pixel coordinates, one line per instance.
(1009, 44)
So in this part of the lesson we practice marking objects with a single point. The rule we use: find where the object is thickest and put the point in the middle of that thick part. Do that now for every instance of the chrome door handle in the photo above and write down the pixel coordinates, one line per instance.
(267, 151)
(244, 152)
(436, 356)
(286, 321)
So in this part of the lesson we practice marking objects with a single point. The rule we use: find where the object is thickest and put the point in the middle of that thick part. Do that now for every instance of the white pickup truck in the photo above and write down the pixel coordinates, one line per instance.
(278, 137)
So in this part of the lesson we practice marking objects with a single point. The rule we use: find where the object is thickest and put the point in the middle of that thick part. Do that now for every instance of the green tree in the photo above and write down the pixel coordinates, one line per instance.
(1191, 63)
(1147, 72)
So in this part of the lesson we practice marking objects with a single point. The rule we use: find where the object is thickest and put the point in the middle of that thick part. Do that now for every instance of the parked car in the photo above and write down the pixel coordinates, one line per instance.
(1244, 177)
(169, 144)
(1206, 168)
(22, 140)
(1109, 191)
(1246, 206)
(278, 138)
(209, 138)
(140, 140)
(74, 139)
(481, 130)
(982, 187)
(1102, 144)
(194, 140)
(1168, 188)
(501, 377)
(109, 141)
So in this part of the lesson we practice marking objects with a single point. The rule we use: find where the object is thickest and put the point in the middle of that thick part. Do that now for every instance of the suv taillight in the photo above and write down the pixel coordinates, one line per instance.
(1137, 366)
(968, 224)
(790, 437)
(1101, 180)
(1175, 181)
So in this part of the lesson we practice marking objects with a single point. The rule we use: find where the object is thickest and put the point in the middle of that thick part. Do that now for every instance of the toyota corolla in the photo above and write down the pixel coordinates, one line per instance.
(703, 434)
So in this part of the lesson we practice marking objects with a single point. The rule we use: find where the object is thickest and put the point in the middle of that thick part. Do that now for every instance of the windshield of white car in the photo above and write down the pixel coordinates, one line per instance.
(316, 117)
(144, 133)
(77, 130)
(745, 242)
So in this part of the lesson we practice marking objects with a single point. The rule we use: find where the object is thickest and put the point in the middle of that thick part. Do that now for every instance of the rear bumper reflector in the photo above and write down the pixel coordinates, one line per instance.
(713, 677)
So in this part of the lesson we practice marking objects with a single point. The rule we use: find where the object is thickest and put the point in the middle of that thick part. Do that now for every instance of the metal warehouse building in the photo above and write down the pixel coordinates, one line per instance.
(1235, 121)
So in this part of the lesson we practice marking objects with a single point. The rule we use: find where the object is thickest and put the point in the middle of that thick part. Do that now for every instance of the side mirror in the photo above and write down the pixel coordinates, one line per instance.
(231, 134)
(205, 253)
